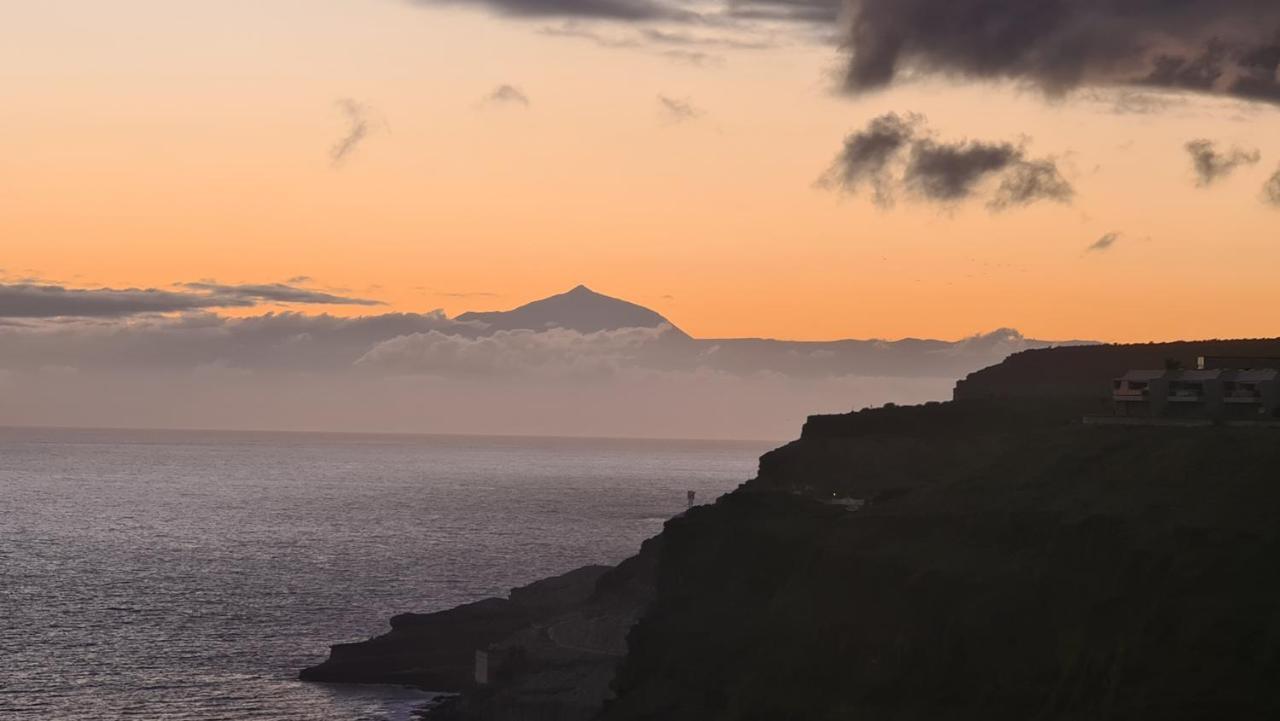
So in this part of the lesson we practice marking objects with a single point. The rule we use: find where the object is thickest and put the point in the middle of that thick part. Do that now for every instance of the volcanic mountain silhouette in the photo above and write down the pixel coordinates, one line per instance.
(581, 309)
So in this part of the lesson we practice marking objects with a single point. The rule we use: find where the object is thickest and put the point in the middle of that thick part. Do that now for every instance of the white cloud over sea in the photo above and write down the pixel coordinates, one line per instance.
(429, 373)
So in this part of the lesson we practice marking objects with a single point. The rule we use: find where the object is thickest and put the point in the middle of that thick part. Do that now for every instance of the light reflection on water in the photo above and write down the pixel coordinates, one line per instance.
(186, 575)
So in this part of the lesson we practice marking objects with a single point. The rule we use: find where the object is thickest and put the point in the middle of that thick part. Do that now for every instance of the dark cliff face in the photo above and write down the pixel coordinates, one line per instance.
(991, 558)
(1013, 566)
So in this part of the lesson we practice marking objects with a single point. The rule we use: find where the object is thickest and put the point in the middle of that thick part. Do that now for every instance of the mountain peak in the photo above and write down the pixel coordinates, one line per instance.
(580, 309)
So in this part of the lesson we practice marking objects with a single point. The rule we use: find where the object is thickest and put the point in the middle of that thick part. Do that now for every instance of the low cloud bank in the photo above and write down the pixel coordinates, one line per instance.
(426, 372)
(553, 353)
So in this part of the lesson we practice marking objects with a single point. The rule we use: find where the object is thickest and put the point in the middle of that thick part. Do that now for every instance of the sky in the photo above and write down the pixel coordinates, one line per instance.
(499, 152)
(243, 187)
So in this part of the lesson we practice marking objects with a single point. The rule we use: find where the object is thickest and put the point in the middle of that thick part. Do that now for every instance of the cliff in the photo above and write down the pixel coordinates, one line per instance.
(989, 558)
(1002, 572)
(1086, 371)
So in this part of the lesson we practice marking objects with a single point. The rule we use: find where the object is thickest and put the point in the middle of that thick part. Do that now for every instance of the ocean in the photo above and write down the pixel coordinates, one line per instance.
(189, 575)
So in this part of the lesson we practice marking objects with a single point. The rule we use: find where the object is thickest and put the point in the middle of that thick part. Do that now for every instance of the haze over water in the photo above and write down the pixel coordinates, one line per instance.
(189, 575)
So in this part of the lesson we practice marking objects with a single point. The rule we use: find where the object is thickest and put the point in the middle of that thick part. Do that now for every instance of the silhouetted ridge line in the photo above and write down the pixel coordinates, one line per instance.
(581, 309)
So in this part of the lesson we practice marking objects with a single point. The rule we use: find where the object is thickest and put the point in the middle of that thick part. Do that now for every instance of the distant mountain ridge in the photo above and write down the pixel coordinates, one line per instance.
(586, 311)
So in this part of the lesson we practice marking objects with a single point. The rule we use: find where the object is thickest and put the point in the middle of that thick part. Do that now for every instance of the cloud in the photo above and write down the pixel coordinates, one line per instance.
(820, 12)
(1271, 190)
(666, 37)
(999, 343)
(677, 110)
(275, 293)
(575, 30)
(947, 172)
(897, 152)
(1215, 46)
(434, 344)
(868, 155)
(27, 300)
(621, 10)
(1135, 102)
(1212, 165)
(290, 341)
(555, 352)
(1103, 244)
(676, 47)
(48, 300)
(425, 372)
(693, 57)
(507, 95)
(1029, 181)
(358, 129)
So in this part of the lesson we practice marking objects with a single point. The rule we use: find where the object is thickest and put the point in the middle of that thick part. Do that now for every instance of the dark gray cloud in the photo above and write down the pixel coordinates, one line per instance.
(1218, 46)
(1028, 181)
(358, 129)
(507, 95)
(821, 12)
(1135, 102)
(47, 300)
(28, 300)
(1103, 244)
(678, 110)
(868, 156)
(275, 293)
(1228, 47)
(1271, 190)
(897, 152)
(948, 172)
(626, 10)
(1212, 164)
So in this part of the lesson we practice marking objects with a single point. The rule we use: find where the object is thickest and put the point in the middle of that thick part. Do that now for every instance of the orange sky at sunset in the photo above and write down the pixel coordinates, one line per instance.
(152, 142)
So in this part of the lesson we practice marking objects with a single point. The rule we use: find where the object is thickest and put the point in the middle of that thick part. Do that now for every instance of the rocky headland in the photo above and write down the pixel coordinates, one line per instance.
(988, 558)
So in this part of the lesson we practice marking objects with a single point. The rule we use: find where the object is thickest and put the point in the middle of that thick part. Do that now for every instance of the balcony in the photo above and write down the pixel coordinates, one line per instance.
(1242, 394)
(1188, 393)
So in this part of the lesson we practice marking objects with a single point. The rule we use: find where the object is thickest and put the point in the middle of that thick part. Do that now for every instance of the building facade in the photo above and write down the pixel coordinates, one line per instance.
(1241, 393)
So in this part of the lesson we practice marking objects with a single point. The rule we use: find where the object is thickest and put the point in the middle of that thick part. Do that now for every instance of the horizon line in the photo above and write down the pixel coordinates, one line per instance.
(392, 434)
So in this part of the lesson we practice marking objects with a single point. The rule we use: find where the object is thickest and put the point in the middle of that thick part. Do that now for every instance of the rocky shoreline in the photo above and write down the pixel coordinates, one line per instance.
(548, 650)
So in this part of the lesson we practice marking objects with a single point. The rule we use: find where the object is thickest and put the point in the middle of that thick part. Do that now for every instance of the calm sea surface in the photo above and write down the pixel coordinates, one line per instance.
(189, 575)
